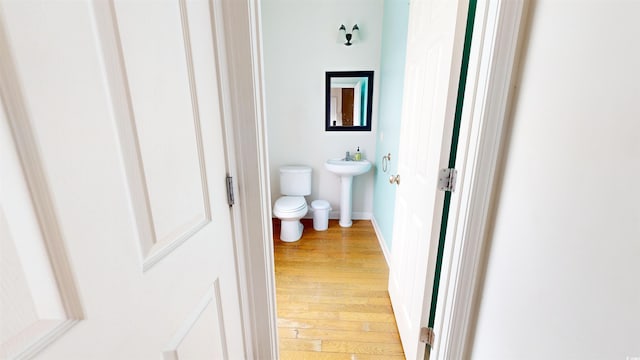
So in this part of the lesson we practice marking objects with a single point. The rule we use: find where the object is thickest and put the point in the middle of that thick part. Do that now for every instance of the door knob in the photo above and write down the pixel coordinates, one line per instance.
(394, 179)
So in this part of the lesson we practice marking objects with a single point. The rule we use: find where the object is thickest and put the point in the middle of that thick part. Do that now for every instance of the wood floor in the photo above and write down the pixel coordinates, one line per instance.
(332, 298)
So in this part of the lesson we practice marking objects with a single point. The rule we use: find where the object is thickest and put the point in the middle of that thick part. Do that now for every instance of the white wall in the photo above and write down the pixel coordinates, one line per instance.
(563, 274)
(300, 45)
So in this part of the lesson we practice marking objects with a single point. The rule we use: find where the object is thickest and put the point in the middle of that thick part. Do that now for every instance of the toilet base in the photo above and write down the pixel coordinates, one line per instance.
(291, 230)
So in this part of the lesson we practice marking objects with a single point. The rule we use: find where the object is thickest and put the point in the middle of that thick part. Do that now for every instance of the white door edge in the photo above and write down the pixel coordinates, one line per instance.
(492, 63)
(240, 60)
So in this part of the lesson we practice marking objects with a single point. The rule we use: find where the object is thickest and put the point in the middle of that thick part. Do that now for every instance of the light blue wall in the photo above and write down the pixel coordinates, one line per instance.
(394, 42)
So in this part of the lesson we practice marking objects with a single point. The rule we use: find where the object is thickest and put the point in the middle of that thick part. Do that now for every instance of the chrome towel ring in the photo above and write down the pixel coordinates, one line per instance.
(385, 162)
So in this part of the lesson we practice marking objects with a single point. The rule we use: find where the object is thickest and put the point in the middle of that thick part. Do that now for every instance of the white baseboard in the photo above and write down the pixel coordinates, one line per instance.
(383, 244)
(359, 215)
(335, 214)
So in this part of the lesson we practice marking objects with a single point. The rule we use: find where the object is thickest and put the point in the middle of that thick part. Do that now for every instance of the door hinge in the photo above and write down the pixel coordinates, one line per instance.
(230, 198)
(447, 179)
(427, 335)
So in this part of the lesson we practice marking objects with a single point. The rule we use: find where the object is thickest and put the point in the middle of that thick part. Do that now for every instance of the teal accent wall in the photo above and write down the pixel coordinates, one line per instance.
(391, 81)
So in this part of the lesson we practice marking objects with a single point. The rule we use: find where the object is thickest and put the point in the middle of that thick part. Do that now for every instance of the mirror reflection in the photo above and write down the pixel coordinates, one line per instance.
(348, 100)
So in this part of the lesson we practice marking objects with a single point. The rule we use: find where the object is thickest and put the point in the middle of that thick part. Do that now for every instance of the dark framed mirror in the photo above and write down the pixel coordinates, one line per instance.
(349, 97)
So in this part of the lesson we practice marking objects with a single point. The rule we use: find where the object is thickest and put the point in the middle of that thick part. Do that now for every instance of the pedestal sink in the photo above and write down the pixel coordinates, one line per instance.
(346, 169)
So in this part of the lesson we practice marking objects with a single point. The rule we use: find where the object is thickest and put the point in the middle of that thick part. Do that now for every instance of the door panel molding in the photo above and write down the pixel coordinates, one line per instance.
(26, 170)
(153, 246)
(210, 304)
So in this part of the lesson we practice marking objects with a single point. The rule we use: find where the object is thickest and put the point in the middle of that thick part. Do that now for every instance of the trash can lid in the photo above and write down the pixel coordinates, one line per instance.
(320, 204)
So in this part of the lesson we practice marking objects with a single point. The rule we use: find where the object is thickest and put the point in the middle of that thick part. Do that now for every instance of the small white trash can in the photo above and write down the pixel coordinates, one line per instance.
(321, 210)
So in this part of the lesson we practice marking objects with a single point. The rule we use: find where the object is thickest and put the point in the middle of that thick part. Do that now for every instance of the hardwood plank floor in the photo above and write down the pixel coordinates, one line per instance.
(331, 289)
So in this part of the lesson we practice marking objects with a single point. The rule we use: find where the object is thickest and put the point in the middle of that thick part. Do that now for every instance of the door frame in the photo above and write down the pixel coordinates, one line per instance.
(237, 35)
(497, 33)
(493, 59)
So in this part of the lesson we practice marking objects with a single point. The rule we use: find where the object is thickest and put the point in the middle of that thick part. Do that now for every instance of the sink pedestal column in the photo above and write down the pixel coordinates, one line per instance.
(346, 170)
(345, 201)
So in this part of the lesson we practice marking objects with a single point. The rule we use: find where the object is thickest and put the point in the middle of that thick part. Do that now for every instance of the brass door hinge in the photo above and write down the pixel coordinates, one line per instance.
(426, 336)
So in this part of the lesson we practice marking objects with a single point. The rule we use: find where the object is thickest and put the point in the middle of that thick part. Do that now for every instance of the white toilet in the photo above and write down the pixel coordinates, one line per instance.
(295, 184)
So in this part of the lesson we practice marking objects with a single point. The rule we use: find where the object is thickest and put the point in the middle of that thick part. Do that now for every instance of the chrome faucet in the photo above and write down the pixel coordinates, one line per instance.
(347, 157)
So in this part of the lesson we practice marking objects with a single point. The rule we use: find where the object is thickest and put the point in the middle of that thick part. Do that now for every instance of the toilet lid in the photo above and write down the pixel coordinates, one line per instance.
(290, 204)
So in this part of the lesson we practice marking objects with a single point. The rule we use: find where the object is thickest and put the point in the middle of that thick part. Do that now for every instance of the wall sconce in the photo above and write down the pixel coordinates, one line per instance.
(353, 36)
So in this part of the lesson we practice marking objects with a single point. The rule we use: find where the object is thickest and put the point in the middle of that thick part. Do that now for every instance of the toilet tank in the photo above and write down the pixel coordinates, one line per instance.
(295, 180)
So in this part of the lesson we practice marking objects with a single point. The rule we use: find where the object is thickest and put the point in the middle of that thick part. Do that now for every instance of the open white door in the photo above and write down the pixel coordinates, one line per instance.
(434, 53)
(115, 231)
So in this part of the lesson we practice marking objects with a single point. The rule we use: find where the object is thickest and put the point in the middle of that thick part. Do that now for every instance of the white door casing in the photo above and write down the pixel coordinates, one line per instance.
(238, 37)
(113, 169)
(434, 53)
(490, 78)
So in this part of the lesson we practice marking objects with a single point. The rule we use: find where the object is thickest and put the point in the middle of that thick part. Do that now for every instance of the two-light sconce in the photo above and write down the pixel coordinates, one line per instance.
(349, 37)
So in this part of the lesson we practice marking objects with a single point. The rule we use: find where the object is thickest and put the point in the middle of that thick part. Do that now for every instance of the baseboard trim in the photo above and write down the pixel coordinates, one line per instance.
(383, 244)
(335, 214)
(358, 215)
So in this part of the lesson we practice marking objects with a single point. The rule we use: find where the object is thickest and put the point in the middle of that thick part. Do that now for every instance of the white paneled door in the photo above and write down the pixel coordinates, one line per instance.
(115, 232)
(434, 53)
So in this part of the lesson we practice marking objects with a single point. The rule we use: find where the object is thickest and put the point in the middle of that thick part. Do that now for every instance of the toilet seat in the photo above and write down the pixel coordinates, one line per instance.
(290, 206)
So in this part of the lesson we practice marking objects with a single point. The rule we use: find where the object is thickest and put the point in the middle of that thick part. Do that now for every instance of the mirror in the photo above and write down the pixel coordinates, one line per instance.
(349, 96)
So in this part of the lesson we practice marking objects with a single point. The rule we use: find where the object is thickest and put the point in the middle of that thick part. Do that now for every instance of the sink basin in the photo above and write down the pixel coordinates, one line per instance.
(346, 170)
(349, 168)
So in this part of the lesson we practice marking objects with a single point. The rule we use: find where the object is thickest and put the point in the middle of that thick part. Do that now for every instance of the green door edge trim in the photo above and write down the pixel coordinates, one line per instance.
(462, 84)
